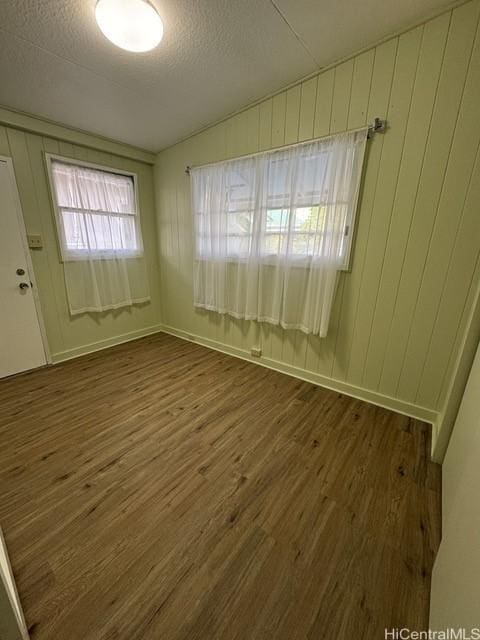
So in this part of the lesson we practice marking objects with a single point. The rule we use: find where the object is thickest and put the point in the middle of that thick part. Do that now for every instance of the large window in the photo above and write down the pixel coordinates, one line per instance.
(96, 211)
(272, 231)
(289, 203)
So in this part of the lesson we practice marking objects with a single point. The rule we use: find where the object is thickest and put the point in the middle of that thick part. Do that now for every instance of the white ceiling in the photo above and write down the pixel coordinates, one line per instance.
(216, 56)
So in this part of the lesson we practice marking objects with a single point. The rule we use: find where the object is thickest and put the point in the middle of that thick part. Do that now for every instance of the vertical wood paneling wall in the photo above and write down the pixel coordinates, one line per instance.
(68, 336)
(400, 314)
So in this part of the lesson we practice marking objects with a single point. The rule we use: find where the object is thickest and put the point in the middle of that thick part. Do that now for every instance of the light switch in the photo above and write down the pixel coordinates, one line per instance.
(34, 241)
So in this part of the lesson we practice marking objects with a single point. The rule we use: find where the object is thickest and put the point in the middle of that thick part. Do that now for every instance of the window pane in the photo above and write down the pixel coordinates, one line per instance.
(90, 189)
(277, 220)
(95, 232)
(238, 246)
(306, 175)
(275, 244)
(309, 219)
(239, 223)
(240, 185)
(75, 233)
(300, 244)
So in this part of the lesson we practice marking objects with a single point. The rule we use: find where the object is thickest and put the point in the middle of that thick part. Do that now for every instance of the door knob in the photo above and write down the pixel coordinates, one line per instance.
(23, 285)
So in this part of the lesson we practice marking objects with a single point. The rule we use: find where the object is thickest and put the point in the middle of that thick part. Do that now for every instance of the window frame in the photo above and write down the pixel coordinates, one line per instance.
(297, 260)
(61, 240)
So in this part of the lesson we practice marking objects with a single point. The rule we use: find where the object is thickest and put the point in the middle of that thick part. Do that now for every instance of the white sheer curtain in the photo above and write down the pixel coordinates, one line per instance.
(100, 238)
(273, 230)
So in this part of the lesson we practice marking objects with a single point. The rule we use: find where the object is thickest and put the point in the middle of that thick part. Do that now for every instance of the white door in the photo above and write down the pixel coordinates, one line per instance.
(21, 344)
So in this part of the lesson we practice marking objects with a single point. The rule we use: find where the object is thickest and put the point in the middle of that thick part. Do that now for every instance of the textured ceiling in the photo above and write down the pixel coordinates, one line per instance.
(216, 56)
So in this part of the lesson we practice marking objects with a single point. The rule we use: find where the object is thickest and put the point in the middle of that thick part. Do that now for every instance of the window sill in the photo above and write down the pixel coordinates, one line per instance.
(102, 256)
(301, 263)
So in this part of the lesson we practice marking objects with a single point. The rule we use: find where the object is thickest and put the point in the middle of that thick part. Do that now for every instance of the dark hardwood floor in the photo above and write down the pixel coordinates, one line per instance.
(162, 491)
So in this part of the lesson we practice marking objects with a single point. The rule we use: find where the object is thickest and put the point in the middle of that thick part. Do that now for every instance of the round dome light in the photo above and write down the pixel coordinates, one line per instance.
(133, 25)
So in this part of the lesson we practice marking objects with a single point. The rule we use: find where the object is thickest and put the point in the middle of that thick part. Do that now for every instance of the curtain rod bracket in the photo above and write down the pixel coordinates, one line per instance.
(378, 126)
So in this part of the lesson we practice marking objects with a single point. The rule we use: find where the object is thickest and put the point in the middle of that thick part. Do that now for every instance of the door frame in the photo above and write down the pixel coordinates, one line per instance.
(26, 251)
(10, 606)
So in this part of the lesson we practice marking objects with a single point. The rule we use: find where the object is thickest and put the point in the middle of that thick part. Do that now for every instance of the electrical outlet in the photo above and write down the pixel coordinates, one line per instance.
(256, 351)
(34, 241)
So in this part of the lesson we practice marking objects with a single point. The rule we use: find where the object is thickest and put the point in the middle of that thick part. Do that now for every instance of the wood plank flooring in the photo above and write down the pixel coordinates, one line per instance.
(162, 491)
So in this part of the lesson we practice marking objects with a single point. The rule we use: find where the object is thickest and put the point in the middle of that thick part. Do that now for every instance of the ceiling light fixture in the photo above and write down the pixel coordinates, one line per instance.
(133, 25)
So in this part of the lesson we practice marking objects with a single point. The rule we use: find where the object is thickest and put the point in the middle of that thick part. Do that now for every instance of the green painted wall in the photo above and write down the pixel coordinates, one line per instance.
(69, 336)
(401, 314)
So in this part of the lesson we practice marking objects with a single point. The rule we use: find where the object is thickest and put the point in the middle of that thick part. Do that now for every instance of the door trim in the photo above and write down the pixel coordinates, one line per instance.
(10, 598)
(23, 233)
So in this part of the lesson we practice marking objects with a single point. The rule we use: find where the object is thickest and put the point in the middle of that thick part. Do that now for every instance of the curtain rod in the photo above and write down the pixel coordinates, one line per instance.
(378, 126)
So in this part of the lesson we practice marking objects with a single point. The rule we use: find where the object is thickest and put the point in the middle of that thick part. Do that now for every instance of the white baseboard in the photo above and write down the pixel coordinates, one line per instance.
(379, 399)
(68, 354)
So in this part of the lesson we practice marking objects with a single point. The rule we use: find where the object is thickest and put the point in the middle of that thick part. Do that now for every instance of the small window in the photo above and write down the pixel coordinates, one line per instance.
(96, 211)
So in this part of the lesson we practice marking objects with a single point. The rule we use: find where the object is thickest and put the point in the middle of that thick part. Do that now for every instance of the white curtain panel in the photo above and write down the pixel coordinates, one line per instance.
(100, 238)
(273, 230)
